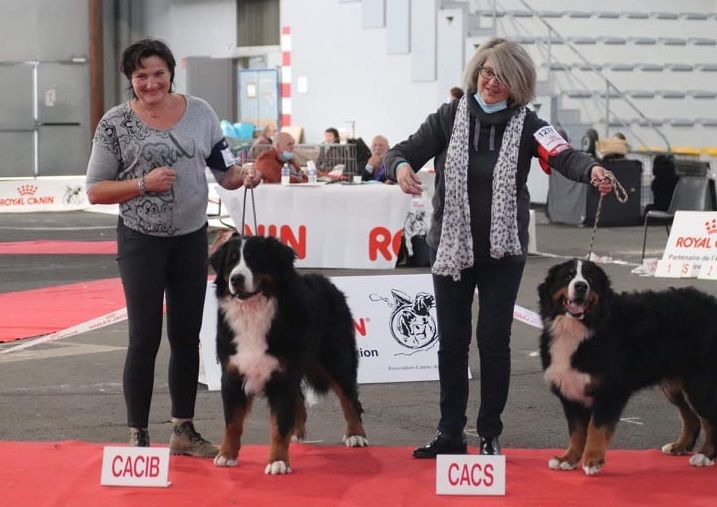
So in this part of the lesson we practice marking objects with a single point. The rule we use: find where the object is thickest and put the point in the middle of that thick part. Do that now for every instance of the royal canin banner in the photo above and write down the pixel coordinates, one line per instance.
(395, 323)
(47, 193)
(328, 226)
(691, 249)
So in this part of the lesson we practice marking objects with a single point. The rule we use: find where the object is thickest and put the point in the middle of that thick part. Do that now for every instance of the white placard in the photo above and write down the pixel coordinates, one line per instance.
(470, 474)
(692, 243)
(135, 466)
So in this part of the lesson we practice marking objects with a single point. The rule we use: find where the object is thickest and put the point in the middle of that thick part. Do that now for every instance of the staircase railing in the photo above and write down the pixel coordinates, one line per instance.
(609, 85)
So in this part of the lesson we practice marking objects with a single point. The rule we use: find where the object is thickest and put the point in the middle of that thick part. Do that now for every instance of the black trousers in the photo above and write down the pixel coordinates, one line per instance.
(497, 283)
(151, 269)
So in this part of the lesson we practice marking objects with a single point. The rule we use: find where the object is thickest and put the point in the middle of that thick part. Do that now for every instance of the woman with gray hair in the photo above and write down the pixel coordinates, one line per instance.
(483, 145)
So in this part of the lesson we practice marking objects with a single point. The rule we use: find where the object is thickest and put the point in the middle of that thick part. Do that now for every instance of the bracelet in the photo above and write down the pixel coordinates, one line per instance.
(140, 186)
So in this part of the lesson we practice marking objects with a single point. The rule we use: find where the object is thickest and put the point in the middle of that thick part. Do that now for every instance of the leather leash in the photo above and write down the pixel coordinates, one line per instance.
(620, 195)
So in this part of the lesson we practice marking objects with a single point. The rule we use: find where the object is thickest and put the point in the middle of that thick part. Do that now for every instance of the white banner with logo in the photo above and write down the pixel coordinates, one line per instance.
(691, 249)
(45, 193)
(395, 323)
(396, 330)
(328, 226)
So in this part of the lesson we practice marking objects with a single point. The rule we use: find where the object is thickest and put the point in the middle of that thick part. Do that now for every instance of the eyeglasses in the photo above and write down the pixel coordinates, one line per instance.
(488, 74)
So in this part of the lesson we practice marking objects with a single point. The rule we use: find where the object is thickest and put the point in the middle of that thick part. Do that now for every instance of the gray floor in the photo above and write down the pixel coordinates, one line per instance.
(72, 389)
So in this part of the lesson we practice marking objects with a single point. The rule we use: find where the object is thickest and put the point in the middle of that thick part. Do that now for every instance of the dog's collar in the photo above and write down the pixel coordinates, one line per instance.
(244, 296)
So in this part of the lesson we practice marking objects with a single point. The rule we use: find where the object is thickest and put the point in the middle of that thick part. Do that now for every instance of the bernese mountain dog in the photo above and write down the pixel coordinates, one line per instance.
(279, 331)
(599, 347)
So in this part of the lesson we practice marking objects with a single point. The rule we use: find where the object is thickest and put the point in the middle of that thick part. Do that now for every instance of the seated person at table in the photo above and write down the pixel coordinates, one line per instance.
(265, 136)
(331, 136)
(270, 162)
(375, 170)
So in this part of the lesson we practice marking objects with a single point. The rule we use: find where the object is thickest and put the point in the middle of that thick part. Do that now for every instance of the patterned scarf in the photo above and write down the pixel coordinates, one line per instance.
(455, 249)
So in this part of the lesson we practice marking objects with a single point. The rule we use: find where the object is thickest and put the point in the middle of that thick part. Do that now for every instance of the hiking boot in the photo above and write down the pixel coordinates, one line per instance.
(186, 440)
(138, 437)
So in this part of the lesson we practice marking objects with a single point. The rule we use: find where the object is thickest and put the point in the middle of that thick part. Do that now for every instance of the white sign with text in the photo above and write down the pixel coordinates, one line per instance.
(691, 249)
(135, 466)
(470, 474)
(395, 324)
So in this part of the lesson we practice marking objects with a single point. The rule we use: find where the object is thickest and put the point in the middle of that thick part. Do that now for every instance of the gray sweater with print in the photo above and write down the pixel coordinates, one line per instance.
(126, 148)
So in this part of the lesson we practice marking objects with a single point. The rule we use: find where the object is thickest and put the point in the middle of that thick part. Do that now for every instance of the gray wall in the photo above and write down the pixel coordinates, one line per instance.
(44, 83)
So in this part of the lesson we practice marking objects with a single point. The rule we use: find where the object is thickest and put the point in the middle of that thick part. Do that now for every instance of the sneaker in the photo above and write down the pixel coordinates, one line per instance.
(489, 446)
(186, 440)
(444, 443)
(138, 437)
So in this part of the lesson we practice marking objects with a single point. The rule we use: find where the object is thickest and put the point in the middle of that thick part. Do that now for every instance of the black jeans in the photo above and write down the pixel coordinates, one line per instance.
(151, 268)
(497, 283)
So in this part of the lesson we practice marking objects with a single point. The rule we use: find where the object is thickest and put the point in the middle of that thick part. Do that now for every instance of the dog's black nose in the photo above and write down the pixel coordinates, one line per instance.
(237, 280)
(580, 287)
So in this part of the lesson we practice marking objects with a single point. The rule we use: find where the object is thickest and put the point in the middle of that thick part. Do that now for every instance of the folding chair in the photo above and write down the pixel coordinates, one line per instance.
(690, 194)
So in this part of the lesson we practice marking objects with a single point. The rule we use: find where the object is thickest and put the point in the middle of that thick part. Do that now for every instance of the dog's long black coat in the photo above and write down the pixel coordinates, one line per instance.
(599, 347)
(308, 335)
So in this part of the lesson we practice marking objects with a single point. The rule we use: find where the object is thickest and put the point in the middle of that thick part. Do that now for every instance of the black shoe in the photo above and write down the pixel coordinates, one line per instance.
(442, 444)
(490, 446)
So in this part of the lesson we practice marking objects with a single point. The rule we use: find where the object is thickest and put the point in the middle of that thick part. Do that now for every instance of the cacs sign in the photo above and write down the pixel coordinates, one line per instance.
(470, 474)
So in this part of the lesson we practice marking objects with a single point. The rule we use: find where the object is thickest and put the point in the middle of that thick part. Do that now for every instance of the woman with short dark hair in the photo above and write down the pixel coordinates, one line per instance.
(149, 155)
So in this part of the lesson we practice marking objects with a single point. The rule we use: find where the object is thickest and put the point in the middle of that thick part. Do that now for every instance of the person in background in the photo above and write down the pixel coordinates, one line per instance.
(149, 154)
(270, 162)
(455, 93)
(375, 169)
(331, 136)
(266, 135)
(482, 144)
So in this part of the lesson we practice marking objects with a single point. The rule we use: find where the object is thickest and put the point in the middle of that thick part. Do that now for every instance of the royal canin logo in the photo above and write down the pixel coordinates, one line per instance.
(27, 189)
(711, 226)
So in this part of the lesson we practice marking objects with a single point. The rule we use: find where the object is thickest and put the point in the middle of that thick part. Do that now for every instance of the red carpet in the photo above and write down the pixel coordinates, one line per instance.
(36, 312)
(68, 473)
(59, 247)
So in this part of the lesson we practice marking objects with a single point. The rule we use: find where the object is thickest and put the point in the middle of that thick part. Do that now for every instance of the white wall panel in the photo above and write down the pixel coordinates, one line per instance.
(423, 40)
(398, 26)
(351, 77)
(373, 14)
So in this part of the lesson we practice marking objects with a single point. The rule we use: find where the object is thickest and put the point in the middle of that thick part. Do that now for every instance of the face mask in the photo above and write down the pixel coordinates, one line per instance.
(286, 156)
(490, 108)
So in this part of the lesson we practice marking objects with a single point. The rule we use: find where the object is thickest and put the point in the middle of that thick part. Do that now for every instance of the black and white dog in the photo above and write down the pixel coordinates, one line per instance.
(276, 330)
(599, 347)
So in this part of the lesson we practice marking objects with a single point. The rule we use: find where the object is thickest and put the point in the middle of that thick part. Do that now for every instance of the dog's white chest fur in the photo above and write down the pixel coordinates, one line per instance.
(250, 320)
(567, 334)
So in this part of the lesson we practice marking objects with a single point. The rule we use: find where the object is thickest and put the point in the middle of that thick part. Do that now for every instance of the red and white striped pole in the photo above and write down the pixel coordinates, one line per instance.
(285, 76)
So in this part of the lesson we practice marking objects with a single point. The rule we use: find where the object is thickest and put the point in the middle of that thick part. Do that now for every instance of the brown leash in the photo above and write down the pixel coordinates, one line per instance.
(620, 195)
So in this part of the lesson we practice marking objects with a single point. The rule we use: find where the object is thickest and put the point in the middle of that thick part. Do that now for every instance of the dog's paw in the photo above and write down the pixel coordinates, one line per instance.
(297, 439)
(277, 468)
(592, 468)
(356, 441)
(558, 464)
(223, 461)
(674, 450)
(700, 460)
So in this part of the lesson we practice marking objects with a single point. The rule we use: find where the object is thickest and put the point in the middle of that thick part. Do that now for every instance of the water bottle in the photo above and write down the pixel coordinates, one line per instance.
(285, 174)
(311, 171)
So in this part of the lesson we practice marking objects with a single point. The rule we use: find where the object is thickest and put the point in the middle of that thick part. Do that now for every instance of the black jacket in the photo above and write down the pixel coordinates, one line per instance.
(486, 134)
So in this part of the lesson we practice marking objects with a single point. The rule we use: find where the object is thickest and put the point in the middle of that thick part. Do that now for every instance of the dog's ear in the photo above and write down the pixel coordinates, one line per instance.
(216, 259)
(288, 256)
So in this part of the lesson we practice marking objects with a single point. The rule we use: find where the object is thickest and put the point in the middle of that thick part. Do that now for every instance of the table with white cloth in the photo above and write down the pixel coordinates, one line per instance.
(337, 225)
